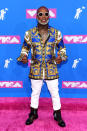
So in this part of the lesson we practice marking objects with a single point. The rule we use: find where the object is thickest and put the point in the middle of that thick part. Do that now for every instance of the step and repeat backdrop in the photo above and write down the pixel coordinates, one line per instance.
(68, 16)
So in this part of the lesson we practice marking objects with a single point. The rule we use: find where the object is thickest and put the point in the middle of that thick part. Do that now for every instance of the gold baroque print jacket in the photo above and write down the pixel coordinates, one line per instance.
(43, 60)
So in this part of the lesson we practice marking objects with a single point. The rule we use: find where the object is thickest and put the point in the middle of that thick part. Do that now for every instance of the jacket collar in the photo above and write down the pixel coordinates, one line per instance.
(36, 33)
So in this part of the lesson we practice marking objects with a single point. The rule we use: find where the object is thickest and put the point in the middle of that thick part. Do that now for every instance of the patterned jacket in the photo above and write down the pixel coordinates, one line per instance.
(43, 64)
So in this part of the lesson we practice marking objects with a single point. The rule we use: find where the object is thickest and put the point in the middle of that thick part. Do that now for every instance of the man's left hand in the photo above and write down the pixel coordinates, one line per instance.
(58, 59)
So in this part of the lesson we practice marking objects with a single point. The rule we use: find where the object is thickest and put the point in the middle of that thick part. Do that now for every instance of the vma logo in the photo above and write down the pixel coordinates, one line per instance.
(75, 39)
(9, 39)
(29, 62)
(31, 13)
(11, 84)
(74, 84)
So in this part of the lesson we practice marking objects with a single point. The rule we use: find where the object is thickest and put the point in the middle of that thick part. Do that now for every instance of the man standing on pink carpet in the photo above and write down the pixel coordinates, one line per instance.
(43, 40)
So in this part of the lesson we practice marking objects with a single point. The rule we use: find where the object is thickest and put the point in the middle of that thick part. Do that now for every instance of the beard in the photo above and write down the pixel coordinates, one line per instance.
(45, 23)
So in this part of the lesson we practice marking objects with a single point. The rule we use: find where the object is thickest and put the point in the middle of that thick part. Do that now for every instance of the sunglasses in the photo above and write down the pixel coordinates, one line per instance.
(41, 14)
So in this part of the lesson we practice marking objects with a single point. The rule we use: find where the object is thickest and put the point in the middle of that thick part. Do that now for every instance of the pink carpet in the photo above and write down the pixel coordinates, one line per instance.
(14, 112)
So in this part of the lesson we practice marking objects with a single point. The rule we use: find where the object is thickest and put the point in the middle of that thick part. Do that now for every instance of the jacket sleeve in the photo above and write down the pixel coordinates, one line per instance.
(60, 45)
(26, 45)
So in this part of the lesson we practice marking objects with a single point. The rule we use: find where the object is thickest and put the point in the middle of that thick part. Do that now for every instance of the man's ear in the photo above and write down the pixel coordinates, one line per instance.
(36, 17)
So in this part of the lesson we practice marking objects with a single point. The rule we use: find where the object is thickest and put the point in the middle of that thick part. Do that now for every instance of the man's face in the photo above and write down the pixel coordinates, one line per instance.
(43, 16)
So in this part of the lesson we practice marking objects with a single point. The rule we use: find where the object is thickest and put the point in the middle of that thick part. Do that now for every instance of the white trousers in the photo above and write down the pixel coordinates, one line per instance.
(36, 86)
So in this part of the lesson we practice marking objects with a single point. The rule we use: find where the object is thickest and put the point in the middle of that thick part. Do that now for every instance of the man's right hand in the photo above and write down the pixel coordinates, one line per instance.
(24, 60)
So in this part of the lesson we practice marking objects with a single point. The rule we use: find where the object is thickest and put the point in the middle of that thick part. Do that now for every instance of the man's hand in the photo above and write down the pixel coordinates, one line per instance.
(58, 59)
(24, 60)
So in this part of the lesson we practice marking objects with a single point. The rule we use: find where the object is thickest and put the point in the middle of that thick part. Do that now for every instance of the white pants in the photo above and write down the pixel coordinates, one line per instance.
(36, 86)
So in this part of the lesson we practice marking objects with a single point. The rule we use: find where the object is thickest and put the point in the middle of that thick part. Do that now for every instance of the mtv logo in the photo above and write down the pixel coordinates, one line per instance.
(71, 39)
(31, 13)
(74, 84)
(11, 84)
(9, 39)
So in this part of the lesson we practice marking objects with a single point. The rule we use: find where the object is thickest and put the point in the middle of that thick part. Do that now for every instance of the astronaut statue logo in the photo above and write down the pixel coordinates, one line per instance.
(2, 13)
